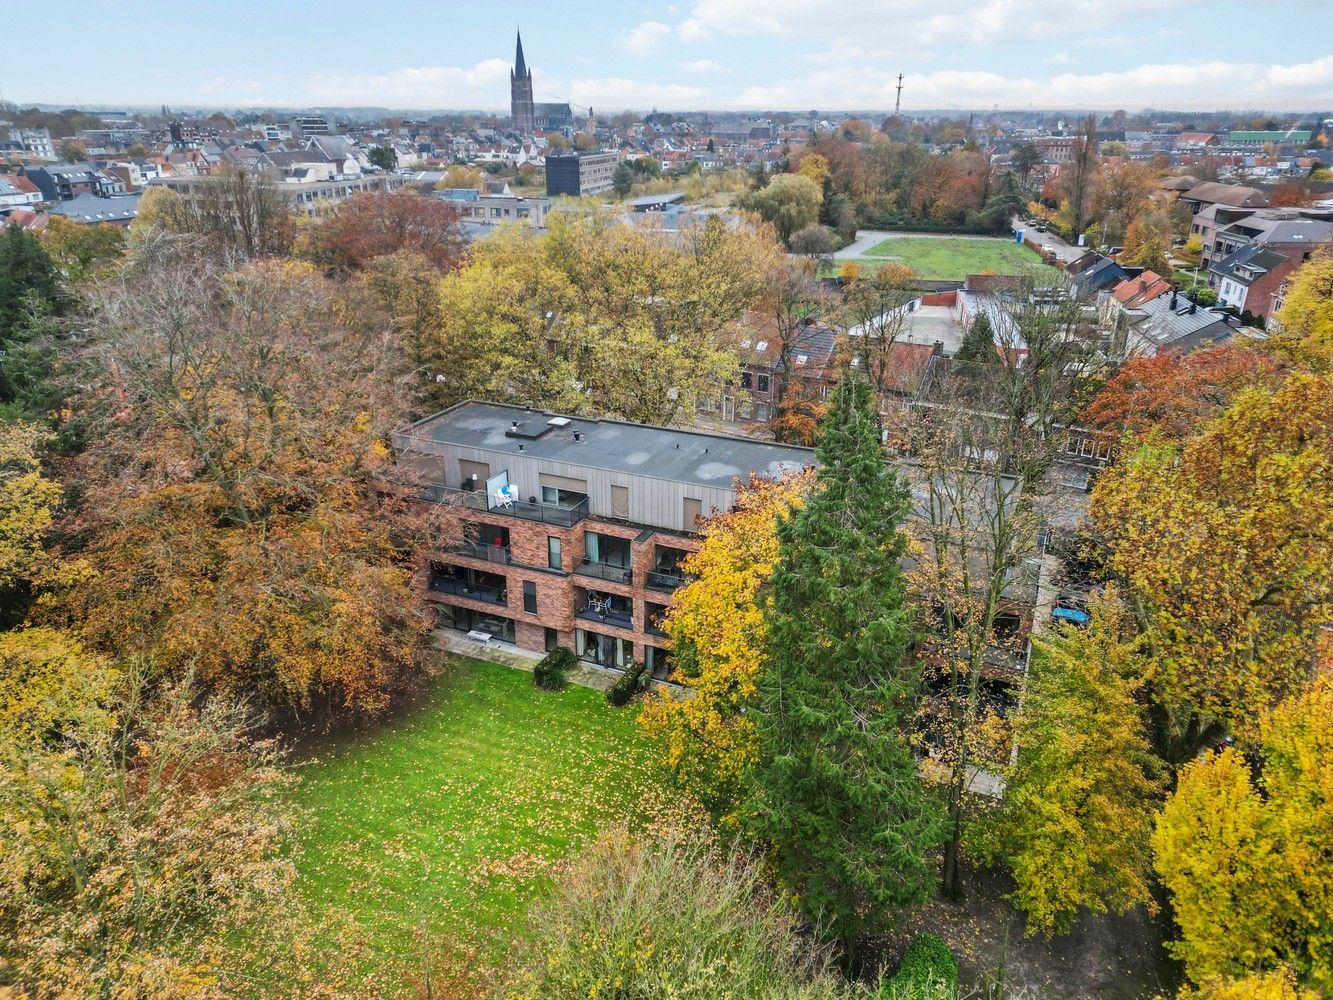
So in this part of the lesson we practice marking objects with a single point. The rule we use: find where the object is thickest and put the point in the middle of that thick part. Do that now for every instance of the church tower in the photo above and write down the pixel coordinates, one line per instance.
(520, 93)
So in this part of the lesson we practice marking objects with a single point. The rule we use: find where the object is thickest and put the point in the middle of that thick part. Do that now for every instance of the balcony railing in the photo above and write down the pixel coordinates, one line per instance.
(461, 588)
(484, 550)
(606, 616)
(657, 580)
(564, 516)
(604, 571)
(653, 625)
(474, 499)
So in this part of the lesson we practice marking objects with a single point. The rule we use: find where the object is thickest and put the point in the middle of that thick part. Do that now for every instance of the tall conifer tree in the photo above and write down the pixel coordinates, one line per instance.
(837, 792)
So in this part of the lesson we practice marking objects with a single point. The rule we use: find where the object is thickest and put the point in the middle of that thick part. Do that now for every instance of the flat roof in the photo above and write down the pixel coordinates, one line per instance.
(669, 453)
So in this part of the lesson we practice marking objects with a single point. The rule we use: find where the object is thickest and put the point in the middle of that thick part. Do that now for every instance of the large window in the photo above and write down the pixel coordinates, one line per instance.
(529, 597)
(658, 662)
(603, 650)
(553, 552)
(467, 620)
(607, 549)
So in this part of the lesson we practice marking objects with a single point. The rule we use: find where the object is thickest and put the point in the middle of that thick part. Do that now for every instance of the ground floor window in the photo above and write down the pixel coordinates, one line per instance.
(467, 620)
(552, 639)
(603, 650)
(658, 662)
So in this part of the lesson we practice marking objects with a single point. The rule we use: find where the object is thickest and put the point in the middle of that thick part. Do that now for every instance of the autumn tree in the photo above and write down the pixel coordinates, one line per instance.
(1174, 394)
(789, 201)
(717, 638)
(837, 790)
(1243, 847)
(981, 452)
(240, 442)
(1305, 331)
(1078, 803)
(1078, 177)
(1024, 157)
(80, 250)
(599, 317)
(146, 844)
(814, 241)
(877, 313)
(1224, 541)
(792, 299)
(377, 223)
(235, 210)
(1148, 243)
(29, 503)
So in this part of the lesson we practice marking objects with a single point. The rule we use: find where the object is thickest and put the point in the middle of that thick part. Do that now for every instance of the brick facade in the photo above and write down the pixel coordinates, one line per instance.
(561, 594)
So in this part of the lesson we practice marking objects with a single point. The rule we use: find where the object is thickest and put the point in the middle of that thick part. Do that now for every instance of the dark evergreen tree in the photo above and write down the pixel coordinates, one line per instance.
(837, 789)
(29, 281)
(623, 179)
(978, 343)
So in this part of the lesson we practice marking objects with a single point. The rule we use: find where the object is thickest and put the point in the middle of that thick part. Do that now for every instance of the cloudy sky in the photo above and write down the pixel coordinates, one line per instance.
(716, 54)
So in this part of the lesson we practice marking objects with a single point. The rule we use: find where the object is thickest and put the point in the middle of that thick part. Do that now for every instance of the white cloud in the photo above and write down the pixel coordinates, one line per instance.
(484, 85)
(1178, 85)
(618, 93)
(910, 24)
(1059, 59)
(704, 67)
(645, 38)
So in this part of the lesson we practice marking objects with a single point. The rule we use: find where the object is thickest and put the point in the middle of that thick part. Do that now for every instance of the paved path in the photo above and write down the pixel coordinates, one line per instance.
(1065, 251)
(866, 239)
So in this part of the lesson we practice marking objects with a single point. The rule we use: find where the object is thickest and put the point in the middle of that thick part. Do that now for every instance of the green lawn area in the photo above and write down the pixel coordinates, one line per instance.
(451, 814)
(954, 258)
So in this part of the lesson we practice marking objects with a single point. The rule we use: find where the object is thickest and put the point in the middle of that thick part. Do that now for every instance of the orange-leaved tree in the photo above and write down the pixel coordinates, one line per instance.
(1174, 393)
(1225, 541)
(717, 632)
(231, 511)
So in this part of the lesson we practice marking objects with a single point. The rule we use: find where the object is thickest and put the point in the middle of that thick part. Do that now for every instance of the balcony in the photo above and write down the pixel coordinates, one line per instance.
(604, 571)
(668, 582)
(484, 550)
(563, 515)
(605, 610)
(472, 590)
(652, 619)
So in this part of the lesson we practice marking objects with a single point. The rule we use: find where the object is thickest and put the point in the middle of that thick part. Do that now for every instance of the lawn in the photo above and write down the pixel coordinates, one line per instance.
(450, 815)
(954, 258)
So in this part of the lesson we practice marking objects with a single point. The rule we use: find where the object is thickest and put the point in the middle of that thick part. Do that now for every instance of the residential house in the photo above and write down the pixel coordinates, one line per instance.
(1248, 279)
(17, 191)
(573, 529)
(1216, 193)
(63, 181)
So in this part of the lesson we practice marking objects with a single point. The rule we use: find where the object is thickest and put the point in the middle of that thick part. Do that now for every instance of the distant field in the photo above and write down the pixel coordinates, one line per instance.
(954, 258)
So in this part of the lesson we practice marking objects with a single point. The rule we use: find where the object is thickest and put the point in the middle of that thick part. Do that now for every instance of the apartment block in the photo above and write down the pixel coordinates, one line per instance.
(580, 173)
(572, 530)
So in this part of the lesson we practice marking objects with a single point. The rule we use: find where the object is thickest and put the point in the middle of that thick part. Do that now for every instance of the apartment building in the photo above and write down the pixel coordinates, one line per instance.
(572, 530)
(580, 173)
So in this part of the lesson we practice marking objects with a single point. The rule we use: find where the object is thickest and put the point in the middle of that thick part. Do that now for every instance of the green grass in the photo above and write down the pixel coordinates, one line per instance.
(449, 816)
(954, 258)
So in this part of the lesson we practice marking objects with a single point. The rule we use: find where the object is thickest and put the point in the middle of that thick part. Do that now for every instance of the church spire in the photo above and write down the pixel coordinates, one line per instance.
(520, 67)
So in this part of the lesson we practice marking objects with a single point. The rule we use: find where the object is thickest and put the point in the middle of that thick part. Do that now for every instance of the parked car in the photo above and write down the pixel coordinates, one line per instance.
(1047, 250)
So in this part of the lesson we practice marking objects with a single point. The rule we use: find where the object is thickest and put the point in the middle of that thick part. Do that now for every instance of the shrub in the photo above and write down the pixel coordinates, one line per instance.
(551, 671)
(928, 966)
(665, 916)
(631, 682)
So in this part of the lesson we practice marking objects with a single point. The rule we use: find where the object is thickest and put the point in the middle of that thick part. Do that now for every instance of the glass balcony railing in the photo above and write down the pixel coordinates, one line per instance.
(658, 580)
(473, 591)
(604, 571)
(484, 550)
(564, 515)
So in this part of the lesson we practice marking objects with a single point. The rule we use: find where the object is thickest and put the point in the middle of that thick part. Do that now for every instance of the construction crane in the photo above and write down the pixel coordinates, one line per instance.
(898, 101)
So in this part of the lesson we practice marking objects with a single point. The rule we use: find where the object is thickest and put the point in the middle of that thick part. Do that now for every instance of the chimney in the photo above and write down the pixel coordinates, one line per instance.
(1194, 306)
(1173, 299)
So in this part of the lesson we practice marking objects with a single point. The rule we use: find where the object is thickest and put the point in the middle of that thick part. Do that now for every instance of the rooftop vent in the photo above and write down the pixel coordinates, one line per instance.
(558, 422)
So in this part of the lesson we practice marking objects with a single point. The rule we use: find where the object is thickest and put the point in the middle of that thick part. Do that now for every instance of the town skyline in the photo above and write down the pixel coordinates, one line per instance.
(714, 55)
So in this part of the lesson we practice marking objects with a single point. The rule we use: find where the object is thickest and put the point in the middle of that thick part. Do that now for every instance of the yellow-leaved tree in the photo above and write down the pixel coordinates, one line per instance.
(717, 633)
(1079, 802)
(1307, 315)
(1244, 848)
(1225, 542)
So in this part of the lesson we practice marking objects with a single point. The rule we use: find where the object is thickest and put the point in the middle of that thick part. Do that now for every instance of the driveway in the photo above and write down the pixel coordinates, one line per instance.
(1066, 252)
